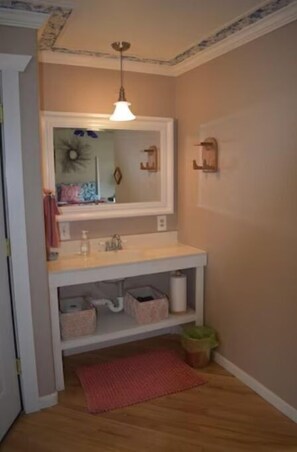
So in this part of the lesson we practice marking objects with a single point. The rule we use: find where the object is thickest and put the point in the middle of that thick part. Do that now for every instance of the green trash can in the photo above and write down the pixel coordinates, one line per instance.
(197, 342)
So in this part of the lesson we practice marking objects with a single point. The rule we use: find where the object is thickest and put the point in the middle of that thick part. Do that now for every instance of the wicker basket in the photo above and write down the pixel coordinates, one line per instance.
(146, 311)
(77, 317)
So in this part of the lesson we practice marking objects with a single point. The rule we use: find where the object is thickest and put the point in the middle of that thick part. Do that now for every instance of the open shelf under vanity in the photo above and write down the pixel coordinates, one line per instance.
(112, 325)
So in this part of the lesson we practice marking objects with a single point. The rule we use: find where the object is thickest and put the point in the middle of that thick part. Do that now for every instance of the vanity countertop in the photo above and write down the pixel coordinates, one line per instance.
(74, 262)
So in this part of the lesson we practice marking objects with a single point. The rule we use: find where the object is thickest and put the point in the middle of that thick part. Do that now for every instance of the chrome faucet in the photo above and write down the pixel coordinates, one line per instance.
(114, 244)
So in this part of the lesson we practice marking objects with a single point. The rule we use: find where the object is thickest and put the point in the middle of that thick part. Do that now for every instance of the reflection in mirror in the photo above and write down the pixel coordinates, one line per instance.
(101, 169)
(104, 166)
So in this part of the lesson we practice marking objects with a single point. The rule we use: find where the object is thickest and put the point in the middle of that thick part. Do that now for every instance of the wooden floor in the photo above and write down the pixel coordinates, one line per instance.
(222, 415)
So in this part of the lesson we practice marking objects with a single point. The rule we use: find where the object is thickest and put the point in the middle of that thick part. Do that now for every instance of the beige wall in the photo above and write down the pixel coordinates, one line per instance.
(245, 216)
(23, 41)
(88, 90)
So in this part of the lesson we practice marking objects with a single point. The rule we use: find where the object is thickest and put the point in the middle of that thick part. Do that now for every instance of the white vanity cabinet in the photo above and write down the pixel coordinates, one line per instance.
(103, 266)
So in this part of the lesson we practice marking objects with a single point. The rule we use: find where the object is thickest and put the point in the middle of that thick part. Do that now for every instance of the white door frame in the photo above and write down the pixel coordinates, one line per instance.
(11, 65)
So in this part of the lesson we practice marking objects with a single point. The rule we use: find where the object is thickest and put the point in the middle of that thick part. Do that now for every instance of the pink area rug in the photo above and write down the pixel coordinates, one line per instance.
(127, 381)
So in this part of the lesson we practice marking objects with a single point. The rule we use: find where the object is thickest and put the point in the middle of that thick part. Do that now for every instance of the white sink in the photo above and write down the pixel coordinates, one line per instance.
(125, 253)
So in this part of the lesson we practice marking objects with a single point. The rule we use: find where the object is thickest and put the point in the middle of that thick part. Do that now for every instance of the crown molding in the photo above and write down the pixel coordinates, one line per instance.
(55, 57)
(56, 3)
(20, 18)
(248, 34)
(266, 25)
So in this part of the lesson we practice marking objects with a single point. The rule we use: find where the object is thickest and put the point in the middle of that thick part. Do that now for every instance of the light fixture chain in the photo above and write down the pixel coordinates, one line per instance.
(122, 75)
(122, 111)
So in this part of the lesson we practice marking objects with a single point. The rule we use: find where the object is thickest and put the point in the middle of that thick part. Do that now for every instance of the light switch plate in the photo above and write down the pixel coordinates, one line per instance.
(64, 231)
(161, 223)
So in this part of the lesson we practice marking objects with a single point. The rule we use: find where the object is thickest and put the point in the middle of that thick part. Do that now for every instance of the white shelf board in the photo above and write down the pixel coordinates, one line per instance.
(112, 325)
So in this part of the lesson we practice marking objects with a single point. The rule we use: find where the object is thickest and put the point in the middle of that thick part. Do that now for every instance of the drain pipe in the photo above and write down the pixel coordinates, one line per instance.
(114, 307)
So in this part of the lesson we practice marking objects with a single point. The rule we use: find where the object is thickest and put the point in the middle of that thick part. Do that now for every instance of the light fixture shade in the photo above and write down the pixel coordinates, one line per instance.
(122, 112)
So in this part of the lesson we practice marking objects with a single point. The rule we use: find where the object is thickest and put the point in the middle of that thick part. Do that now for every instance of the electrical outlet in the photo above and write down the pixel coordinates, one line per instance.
(64, 231)
(162, 223)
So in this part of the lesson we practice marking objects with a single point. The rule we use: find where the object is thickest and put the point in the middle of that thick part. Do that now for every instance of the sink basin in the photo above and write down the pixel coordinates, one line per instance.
(103, 258)
(125, 254)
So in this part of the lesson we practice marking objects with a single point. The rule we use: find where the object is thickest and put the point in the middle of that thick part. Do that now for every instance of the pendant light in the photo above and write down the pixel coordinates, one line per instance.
(122, 111)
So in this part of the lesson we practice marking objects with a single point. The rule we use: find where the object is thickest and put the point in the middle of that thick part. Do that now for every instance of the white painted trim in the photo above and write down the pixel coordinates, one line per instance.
(14, 62)
(199, 297)
(177, 329)
(50, 120)
(248, 34)
(256, 386)
(48, 400)
(20, 18)
(270, 23)
(13, 170)
(106, 211)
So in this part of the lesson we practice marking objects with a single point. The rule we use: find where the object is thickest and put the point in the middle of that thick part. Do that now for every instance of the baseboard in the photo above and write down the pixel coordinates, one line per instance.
(48, 400)
(256, 386)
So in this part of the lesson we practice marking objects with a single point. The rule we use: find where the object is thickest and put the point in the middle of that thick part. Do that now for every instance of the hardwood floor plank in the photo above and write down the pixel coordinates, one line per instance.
(223, 415)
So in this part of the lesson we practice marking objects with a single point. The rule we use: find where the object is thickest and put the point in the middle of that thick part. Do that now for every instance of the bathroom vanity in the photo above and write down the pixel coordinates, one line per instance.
(72, 269)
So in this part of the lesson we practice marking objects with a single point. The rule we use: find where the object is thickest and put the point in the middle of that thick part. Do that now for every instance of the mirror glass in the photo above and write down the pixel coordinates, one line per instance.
(103, 166)
(101, 169)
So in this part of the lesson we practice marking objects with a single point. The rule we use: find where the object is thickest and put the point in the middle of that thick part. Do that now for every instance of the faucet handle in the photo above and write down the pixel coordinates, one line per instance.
(116, 241)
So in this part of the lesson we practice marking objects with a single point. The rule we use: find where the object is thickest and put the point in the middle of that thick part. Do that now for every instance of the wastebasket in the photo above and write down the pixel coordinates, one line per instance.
(197, 342)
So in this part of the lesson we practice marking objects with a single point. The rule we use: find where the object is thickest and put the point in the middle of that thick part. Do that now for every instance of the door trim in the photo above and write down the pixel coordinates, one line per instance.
(11, 65)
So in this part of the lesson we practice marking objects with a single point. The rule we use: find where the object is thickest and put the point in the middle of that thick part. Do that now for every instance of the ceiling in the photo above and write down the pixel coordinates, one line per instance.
(167, 36)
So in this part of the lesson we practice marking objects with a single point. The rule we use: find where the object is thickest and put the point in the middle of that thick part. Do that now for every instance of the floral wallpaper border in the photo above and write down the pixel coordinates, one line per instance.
(59, 17)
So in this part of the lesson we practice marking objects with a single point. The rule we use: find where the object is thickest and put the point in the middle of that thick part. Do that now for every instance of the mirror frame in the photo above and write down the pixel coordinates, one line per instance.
(51, 120)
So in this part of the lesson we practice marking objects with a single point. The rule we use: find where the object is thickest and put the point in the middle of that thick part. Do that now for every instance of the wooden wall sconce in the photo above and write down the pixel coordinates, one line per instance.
(209, 156)
(152, 159)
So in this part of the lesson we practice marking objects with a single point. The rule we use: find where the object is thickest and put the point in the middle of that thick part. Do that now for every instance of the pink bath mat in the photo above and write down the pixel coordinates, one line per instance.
(127, 381)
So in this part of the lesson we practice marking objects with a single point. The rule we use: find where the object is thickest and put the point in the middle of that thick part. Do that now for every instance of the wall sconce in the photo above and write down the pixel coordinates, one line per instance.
(209, 156)
(152, 159)
(122, 111)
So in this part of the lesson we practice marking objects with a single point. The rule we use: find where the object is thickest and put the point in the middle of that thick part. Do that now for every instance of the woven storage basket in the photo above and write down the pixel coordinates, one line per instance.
(148, 311)
(77, 323)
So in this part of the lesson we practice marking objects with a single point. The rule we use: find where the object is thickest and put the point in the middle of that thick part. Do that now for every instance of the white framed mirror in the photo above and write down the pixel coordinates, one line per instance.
(101, 169)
